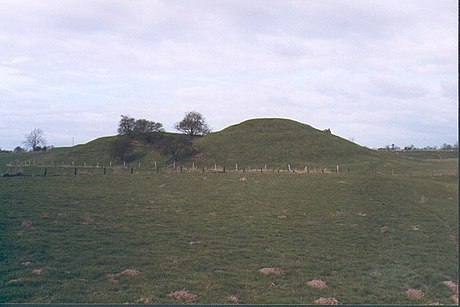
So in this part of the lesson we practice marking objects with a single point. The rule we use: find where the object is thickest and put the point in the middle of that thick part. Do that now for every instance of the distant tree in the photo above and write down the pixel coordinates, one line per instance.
(408, 148)
(126, 125)
(35, 139)
(193, 124)
(121, 148)
(131, 126)
(446, 147)
(19, 149)
(146, 126)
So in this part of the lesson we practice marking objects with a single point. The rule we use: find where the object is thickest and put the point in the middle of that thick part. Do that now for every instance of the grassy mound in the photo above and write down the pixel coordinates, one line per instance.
(278, 142)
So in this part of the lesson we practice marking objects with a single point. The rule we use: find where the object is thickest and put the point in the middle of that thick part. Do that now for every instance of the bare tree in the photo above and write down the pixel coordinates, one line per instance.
(193, 124)
(35, 139)
(121, 148)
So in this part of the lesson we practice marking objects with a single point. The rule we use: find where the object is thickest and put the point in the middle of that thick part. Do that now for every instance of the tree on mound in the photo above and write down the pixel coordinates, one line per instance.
(132, 127)
(121, 148)
(193, 124)
(177, 147)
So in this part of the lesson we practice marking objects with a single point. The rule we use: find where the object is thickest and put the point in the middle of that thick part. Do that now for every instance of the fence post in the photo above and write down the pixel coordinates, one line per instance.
(289, 167)
(224, 169)
(180, 169)
(236, 167)
(202, 170)
(45, 172)
(337, 168)
(105, 171)
(132, 170)
(75, 172)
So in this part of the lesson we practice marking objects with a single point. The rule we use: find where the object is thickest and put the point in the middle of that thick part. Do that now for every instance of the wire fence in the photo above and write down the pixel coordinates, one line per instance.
(36, 168)
(31, 168)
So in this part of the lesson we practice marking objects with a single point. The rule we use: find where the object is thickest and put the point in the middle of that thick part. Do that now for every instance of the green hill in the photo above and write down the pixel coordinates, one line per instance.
(253, 143)
(278, 142)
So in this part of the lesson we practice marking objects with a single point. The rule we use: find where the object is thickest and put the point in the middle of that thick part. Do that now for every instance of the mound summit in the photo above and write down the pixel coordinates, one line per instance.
(277, 142)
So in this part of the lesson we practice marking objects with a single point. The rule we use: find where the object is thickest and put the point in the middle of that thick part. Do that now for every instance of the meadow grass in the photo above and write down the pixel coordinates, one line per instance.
(69, 239)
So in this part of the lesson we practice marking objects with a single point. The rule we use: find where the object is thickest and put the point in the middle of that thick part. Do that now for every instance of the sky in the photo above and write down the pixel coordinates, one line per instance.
(377, 72)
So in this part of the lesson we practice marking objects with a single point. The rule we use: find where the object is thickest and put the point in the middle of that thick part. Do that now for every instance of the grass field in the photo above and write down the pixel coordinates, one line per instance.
(139, 238)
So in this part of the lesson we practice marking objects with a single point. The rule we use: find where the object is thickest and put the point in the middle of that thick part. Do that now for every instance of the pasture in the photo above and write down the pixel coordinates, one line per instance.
(289, 238)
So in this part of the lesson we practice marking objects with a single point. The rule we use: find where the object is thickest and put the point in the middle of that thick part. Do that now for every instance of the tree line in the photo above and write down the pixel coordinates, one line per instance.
(175, 146)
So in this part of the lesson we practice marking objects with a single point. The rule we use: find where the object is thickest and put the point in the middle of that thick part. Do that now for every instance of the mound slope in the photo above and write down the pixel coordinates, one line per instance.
(278, 142)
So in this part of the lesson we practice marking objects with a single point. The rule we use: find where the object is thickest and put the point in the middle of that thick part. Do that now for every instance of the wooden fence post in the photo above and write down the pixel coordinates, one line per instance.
(75, 172)
(105, 171)
(224, 169)
(132, 170)
(45, 172)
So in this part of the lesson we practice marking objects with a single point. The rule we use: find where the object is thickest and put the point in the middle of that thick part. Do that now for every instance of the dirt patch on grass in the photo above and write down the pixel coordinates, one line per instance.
(146, 300)
(415, 227)
(453, 288)
(26, 263)
(233, 298)
(327, 301)
(275, 271)
(183, 295)
(87, 221)
(414, 293)
(191, 243)
(383, 230)
(362, 213)
(317, 283)
(337, 213)
(113, 277)
(37, 271)
(130, 272)
(27, 223)
(375, 274)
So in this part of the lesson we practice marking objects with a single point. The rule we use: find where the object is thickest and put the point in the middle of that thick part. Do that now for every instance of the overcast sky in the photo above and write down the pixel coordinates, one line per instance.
(380, 72)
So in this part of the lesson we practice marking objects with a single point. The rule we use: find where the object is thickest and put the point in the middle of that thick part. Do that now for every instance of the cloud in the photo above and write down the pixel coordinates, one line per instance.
(361, 66)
